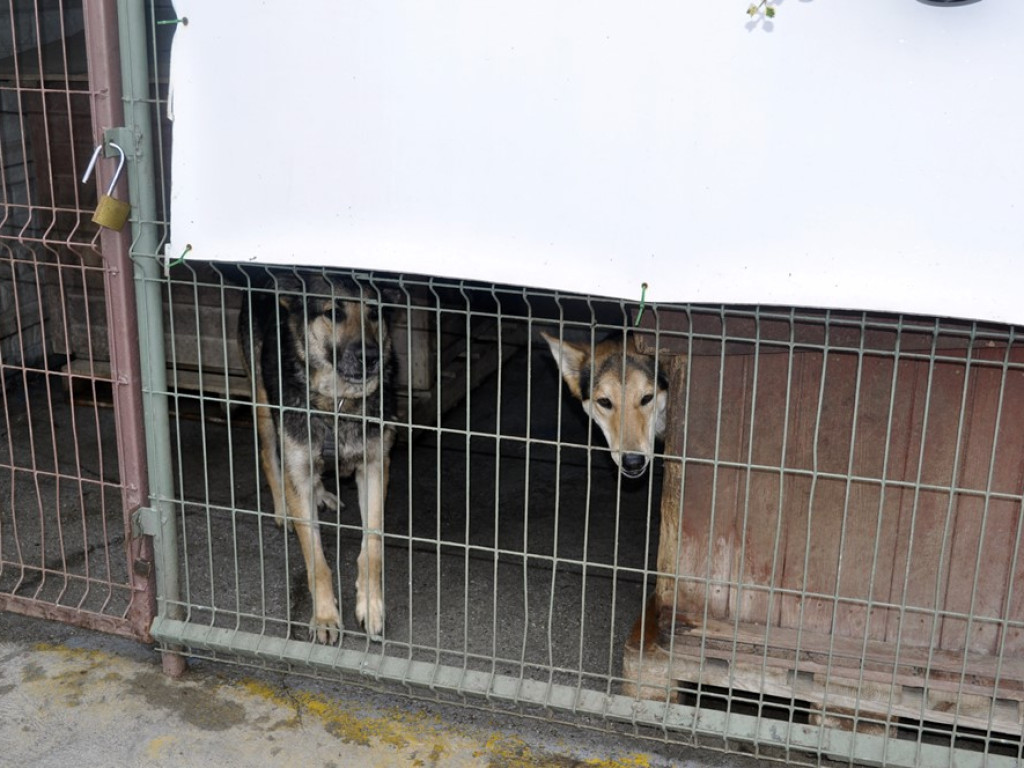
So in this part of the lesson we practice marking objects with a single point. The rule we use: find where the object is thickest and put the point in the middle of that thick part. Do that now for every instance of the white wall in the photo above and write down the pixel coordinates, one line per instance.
(857, 154)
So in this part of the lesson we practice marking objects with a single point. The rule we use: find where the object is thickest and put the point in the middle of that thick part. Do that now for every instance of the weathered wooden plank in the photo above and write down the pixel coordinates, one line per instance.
(843, 677)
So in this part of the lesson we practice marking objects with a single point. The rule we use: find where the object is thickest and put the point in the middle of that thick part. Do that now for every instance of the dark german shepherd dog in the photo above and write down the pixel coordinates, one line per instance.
(319, 354)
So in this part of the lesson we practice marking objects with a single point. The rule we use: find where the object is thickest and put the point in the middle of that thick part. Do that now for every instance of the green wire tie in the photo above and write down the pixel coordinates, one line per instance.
(643, 303)
(181, 258)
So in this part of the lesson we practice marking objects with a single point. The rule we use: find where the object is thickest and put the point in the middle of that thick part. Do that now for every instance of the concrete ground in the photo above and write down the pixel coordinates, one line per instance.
(74, 697)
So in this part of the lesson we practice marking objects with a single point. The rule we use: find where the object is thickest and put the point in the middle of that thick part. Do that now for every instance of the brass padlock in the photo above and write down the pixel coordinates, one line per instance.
(111, 212)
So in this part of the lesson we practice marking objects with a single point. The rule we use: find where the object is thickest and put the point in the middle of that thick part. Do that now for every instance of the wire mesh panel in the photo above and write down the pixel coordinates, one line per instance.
(64, 546)
(479, 554)
(828, 536)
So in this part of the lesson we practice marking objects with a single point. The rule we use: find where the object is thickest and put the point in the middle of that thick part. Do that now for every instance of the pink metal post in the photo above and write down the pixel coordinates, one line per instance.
(108, 112)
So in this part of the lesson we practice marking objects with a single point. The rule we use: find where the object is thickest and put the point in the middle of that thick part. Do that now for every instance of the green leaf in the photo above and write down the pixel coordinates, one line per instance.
(769, 12)
(752, 10)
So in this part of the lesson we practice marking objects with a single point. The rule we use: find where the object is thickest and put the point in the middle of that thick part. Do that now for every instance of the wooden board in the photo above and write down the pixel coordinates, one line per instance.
(836, 482)
(842, 511)
(836, 677)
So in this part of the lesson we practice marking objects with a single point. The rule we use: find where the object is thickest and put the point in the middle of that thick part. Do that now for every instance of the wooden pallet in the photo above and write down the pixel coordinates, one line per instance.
(181, 379)
(844, 682)
(422, 393)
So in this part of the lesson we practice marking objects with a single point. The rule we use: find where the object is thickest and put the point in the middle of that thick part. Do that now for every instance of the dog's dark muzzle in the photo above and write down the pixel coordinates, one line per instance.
(359, 361)
(633, 464)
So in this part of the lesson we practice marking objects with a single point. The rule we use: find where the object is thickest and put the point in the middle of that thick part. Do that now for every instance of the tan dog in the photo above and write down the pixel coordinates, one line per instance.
(621, 390)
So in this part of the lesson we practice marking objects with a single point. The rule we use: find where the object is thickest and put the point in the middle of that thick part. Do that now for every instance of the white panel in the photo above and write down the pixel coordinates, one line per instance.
(861, 154)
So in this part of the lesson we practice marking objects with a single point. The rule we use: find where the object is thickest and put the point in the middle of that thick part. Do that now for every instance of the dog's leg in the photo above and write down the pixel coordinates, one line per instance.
(373, 482)
(269, 453)
(301, 498)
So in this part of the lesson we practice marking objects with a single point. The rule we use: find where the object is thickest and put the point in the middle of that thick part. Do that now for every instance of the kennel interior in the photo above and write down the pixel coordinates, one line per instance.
(511, 545)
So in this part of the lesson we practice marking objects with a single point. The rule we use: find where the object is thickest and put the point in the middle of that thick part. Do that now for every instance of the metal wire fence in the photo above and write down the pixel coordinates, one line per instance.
(830, 531)
(466, 499)
(65, 549)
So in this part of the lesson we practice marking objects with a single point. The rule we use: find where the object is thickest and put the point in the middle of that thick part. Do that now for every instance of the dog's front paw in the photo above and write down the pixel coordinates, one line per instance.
(370, 613)
(329, 500)
(325, 626)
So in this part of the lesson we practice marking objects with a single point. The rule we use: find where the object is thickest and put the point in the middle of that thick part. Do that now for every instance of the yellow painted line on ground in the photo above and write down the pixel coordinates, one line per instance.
(411, 736)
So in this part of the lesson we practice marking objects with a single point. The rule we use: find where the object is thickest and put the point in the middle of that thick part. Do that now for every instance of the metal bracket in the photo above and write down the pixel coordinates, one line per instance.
(147, 521)
(123, 137)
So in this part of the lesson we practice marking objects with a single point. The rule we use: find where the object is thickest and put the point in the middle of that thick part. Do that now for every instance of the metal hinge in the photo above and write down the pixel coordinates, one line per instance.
(147, 521)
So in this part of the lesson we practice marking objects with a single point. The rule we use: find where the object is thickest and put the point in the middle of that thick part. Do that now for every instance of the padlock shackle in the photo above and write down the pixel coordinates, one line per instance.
(92, 164)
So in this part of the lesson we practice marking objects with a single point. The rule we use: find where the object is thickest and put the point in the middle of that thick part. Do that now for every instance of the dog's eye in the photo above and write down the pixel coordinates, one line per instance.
(646, 399)
(331, 311)
(604, 402)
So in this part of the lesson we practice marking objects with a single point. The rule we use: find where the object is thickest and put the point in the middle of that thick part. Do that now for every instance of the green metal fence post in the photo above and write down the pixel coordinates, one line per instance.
(138, 102)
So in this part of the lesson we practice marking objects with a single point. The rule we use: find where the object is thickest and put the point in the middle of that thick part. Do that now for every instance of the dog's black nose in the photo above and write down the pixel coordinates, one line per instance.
(371, 355)
(359, 360)
(633, 464)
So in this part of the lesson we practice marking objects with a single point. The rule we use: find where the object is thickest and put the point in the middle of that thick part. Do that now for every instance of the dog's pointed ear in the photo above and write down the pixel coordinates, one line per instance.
(287, 289)
(391, 299)
(392, 295)
(661, 415)
(572, 361)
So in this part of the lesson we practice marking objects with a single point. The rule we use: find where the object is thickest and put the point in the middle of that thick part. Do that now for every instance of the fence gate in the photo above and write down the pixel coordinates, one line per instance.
(71, 437)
